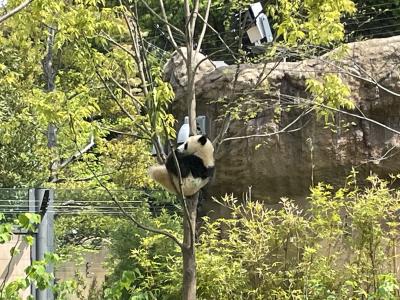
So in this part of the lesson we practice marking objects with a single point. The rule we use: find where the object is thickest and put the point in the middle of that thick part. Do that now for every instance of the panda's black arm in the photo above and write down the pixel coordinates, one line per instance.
(197, 167)
(171, 166)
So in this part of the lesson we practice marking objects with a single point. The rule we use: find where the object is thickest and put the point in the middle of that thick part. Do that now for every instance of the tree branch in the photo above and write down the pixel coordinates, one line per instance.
(284, 130)
(369, 80)
(114, 42)
(224, 129)
(14, 10)
(77, 154)
(126, 133)
(136, 102)
(142, 128)
(219, 37)
(203, 30)
(161, 19)
(137, 57)
(362, 117)
(171, 37)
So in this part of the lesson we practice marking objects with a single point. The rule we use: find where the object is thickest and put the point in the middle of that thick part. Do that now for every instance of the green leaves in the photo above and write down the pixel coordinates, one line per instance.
(36, 273)
(5, 232)
(310, 22)
(29, 239)
(28, 221)
(331, 92)
(341, 247)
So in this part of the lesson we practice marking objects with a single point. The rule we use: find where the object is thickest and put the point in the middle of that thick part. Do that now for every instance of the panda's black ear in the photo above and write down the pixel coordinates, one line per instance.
(202, 140)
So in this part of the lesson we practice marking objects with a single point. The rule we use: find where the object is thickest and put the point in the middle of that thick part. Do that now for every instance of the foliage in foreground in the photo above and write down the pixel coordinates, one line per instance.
(341, 247)
(143, 264)
(36, 273)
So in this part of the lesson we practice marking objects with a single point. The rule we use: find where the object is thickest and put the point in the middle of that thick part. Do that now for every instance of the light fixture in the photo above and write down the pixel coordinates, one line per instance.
(184, 131)
(260, 28)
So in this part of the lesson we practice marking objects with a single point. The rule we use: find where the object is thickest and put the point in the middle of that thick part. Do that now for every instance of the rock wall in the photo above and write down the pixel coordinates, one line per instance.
(285, 164)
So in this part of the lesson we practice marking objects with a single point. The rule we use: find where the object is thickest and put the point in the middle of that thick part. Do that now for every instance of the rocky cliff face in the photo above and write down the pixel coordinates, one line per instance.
(285, 164)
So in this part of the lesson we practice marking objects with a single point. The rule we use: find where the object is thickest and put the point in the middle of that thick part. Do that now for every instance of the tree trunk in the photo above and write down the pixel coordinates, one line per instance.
(189, 219)
(188, 250)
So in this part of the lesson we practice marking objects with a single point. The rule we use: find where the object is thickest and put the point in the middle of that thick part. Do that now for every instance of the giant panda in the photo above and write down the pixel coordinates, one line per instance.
(196, 164)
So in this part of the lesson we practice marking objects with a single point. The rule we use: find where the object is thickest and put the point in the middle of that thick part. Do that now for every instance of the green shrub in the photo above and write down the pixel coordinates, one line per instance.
(343, 246)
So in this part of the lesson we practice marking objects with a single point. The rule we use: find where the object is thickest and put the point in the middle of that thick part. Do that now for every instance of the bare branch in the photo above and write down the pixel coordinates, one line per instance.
(126, 133)
(171, 37)
(361, 117)
(219, 37)
(284, 130)
(142, 128)
(161, 19)
(384, 156)
(193, 18)
(15, 10)
(77, 154)
(369, 80)
(224, 129)
(154, 138)
(114, 42)
(137, 57)
(262, 78)
(203, 30)
(207, 57)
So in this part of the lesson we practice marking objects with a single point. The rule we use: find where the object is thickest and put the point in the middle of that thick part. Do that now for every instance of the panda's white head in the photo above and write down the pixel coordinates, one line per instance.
(200, 146)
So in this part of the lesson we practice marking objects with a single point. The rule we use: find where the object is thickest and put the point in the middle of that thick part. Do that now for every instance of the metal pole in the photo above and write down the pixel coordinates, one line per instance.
(32, 209)
(45, 234)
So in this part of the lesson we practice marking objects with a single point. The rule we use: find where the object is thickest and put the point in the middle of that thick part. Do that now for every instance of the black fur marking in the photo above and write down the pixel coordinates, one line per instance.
(188, 164)
(202, 140)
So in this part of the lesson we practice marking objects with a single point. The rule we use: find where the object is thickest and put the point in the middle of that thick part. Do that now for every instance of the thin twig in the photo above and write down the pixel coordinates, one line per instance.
(362, 117)
(114, 42)
(219, 37)
(142, 128)
(371, 80)
(284, 130)
(137, 57)
(207, 57)
(161, 19)
(170, 35)
(261, 79)
(224, 129)
(126, 133)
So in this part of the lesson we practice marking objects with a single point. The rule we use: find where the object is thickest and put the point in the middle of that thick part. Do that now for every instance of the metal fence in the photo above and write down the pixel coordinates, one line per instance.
(84, 201)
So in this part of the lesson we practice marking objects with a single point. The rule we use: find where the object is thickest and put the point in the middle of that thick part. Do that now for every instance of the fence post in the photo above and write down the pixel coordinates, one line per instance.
(42, 200)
